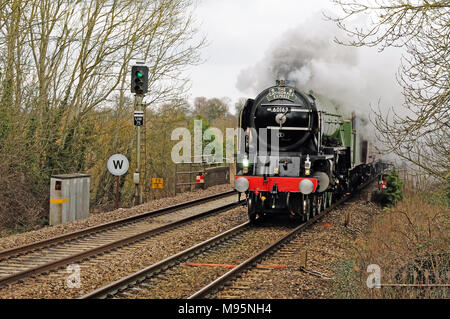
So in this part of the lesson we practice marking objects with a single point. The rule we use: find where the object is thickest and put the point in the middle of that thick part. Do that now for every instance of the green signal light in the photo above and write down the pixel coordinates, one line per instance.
(139, 74)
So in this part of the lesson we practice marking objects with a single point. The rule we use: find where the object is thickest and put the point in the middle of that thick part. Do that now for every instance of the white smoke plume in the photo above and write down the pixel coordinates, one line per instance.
(352, 78)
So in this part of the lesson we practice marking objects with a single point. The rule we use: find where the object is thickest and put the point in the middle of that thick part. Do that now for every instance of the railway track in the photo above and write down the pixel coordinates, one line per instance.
(174, 278)
(16, 264)
(203, 269)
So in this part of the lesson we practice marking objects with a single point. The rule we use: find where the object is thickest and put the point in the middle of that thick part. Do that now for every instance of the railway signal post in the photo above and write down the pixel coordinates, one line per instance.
(139, 86)
(118, 165)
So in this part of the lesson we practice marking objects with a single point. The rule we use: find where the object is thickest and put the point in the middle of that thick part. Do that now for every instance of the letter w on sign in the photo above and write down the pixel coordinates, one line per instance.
(118, 164)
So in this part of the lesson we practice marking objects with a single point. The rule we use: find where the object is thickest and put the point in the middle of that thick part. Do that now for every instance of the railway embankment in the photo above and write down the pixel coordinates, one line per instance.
(406, 245)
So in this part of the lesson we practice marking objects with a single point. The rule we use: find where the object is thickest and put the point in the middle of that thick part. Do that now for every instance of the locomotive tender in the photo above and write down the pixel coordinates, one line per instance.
(295, 158)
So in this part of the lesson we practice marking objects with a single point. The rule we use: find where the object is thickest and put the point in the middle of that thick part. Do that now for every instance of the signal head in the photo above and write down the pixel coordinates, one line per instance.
(139, 79)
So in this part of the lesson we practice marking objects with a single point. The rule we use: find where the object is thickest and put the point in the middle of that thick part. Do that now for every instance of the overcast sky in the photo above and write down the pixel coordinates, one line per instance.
(240, 32)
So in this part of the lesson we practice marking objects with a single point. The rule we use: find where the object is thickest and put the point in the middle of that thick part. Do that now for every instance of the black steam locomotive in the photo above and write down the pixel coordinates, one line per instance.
(296, 158)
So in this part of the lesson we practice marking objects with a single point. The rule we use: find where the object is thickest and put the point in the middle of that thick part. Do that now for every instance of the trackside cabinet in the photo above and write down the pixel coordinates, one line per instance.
(69, 198)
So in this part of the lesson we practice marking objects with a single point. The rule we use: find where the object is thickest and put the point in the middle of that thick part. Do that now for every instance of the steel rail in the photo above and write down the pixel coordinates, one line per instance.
(258, 256)
(116, 244)
(105, 226)
(143, 274)
(216, 284)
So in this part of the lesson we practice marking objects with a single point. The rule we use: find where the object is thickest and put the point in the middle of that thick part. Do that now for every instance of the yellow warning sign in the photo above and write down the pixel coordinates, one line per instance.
(157, 182)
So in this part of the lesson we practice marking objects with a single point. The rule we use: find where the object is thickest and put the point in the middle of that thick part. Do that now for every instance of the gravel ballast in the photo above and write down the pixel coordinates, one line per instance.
(326, 242)
(111, 266)
(184, 280)
(100, 218)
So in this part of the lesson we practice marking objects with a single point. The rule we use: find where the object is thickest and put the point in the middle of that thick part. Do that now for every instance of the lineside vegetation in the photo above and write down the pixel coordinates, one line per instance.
(65, 101)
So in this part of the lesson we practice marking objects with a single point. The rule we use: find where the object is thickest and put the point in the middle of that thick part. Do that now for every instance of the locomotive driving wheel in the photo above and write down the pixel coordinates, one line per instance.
(325, 200)
(313, 205)
(319, 200)
(252, 214)
(329, 199)
(306, 208)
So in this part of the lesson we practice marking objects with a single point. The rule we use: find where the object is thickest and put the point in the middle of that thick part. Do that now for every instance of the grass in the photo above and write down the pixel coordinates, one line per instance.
(410, 242)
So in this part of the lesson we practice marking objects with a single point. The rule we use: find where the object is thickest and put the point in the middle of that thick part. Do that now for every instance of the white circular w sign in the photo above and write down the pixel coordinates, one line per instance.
(118, 165)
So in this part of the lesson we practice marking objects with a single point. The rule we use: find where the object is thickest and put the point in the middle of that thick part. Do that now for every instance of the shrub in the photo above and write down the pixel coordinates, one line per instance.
(21, 206)
(393, 191)
(410, 244)
(447, 193)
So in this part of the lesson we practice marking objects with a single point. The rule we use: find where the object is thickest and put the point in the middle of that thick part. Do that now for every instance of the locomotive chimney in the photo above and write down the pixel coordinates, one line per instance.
(281, 83)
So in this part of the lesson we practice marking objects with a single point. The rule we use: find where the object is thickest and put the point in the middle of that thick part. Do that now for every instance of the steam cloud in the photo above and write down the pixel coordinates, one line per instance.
(352, 78)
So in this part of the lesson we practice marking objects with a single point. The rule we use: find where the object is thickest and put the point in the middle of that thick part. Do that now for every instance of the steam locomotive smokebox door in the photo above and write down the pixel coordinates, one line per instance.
(290, 166)
(69, 198)
(282, 166)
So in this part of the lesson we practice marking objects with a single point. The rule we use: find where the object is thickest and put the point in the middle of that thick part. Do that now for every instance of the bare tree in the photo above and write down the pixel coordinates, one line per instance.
(64, 59)
(239, 105)
(211, 109)
(63, 62)
(418, 132)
